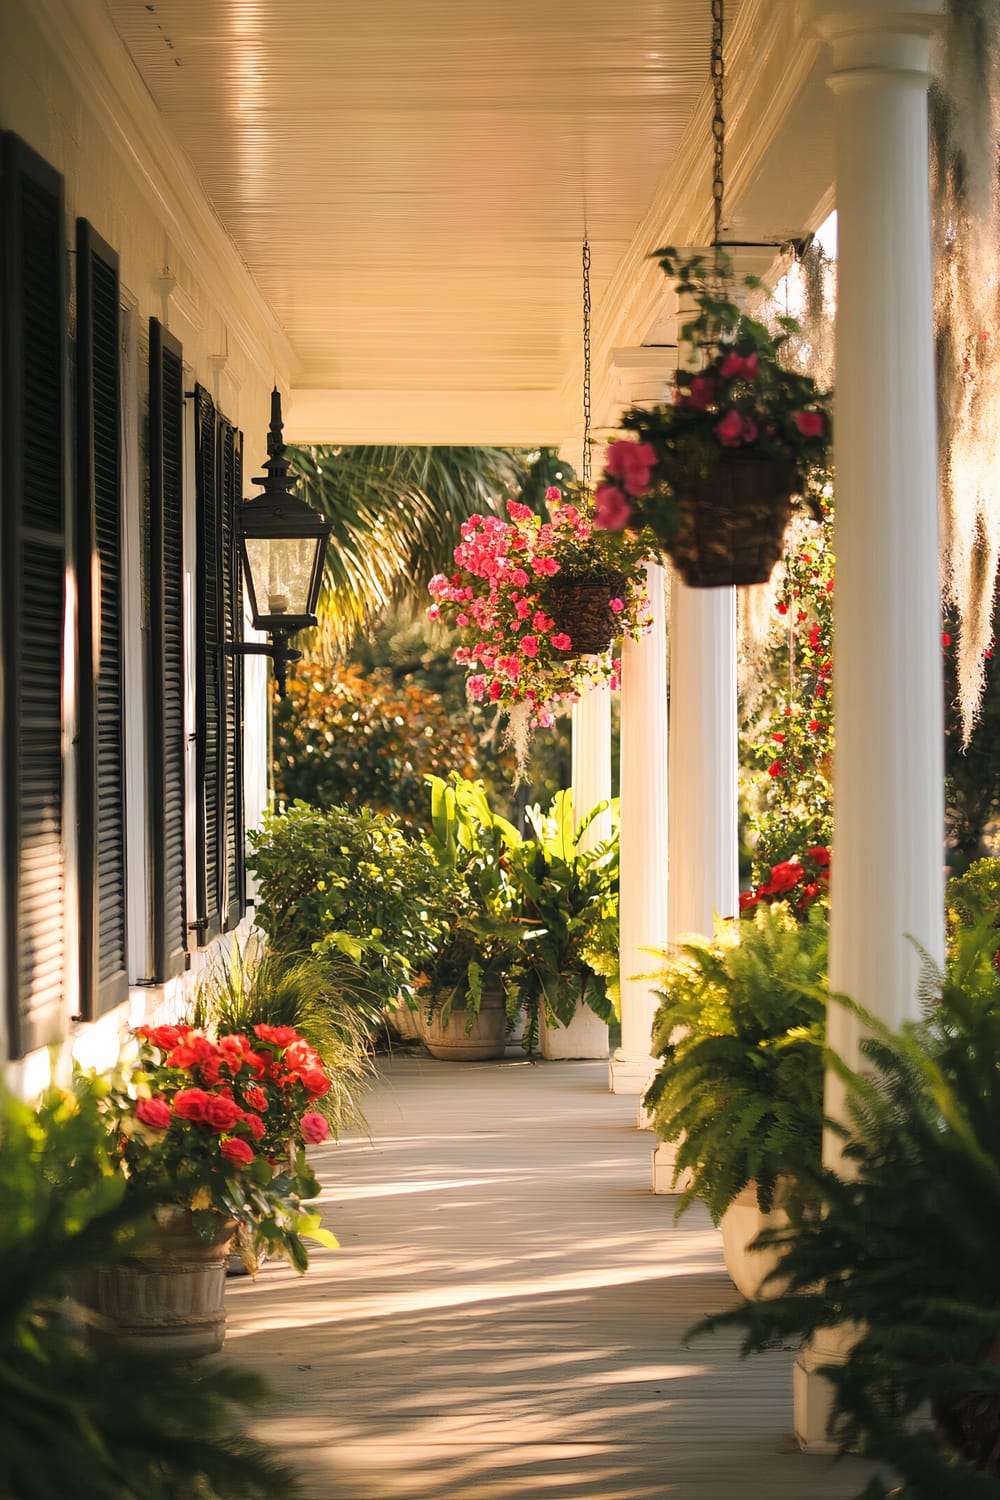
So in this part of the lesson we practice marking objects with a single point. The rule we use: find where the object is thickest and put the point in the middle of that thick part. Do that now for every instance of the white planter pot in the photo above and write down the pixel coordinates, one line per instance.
(741, 1223)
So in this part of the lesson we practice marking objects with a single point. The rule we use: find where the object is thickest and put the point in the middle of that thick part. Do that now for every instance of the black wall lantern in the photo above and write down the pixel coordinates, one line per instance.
(283, 546)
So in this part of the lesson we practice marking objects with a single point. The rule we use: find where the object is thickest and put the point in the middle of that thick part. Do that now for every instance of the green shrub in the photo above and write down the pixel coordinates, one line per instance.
(903, 1247)
(741, 1030)
(338, 882)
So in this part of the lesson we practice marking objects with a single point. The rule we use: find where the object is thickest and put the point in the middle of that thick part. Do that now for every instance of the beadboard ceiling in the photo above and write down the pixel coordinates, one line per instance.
(408, 181)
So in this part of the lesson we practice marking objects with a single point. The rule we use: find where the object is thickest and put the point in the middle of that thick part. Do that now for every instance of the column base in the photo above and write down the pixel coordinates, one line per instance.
(664, 1161)
(812, 1393)
(585, 1037)
(644, 1117)
(630, 1075)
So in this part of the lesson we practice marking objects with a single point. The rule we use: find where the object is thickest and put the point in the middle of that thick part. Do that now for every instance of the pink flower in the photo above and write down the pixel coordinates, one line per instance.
(438, 585)
(750, 431)
(153, 1112)
(561, 642)
(519, 512)
(809, 423)
(546, 718)
(616, 606)
(553, 494)
(476, 687)
(730, 430)
(544, 567)
(314, 1128)
(735, 366)
(495, 690)
(631, 463)
(461, 619)
(529, 646)
(701, 392)
(434, 612)
(522, 609)
(520, 577)
(612, 510)
(541, 621)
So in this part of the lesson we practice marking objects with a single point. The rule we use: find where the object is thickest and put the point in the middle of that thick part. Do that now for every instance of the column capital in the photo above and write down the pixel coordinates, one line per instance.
(879, 35)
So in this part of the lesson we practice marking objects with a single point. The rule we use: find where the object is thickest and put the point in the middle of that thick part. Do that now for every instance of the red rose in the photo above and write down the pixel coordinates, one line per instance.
(237, 1151)
(316, 1082)
(729, 430)
(164, 1037)
(222, 1113)
(278, 1036)
(809, 423)
(153, 1112)
(748, 900)
(255, 1098)
(256, 1125)
(314, 1129)
(783, 877)
(819, 853)
(192, 1104)
(234, 1048)
(776, 768)
(193, 1049)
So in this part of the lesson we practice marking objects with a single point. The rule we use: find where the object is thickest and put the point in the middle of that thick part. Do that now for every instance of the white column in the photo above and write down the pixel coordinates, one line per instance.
(643, 898)
(887, 875)
(703, 843)
(586, 1036)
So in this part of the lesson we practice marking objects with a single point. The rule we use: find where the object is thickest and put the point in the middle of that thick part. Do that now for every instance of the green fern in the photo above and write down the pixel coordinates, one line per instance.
(740, 1028)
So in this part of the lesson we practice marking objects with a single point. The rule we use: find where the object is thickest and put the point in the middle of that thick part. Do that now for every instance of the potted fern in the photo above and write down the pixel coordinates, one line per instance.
(740, 1030)
(902, 1246)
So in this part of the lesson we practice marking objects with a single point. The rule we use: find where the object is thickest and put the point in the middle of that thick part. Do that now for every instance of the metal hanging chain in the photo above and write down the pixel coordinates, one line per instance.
(718, 126)
(585, 466)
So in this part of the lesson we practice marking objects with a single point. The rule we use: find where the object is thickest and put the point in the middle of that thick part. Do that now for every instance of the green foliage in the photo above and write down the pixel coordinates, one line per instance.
(903, 1247)
(564, 902)
(337, 882)
(346, 737)
(98, 1423)
(740, 1028)
(787, 740)
(329, 1001)
(974, 895)
(972, 770)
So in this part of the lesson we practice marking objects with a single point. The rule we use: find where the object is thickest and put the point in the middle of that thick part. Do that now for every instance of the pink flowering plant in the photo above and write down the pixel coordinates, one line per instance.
(219, 1127)
(744, 402)
(500, 596)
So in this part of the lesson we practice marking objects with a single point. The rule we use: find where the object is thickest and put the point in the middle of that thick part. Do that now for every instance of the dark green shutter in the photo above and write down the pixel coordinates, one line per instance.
(209, 685)
(166, 596)
(98, 549)
(234, 868)
(33, 470)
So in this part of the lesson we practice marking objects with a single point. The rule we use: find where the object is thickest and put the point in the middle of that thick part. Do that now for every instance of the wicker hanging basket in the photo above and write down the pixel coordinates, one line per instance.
(732, 525)
(580, 609)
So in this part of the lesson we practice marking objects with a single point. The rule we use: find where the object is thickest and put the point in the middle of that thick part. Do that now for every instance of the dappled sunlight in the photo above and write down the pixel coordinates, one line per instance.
(505, 1317)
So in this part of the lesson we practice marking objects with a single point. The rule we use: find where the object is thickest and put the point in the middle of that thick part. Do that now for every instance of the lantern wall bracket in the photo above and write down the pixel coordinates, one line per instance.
(277, 649)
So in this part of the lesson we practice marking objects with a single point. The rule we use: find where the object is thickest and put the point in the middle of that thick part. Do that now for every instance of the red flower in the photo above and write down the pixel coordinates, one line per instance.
(192, 1104)
(192, 1050)
(702, 392)
(820, 855)
(631, 463)
(316, 1082)
(154, 1112)
(314, 1128)
(776, 768)
(782, 609)
(779, 737)
(278, 1036)
(237, 1151)
(255, 1125)
(255, 1097)
(734, 366)
(748, 900)
(783, 877)
(164, 1037)
(611, 510)
(222, 1113)
(810, 423)
(729, 430)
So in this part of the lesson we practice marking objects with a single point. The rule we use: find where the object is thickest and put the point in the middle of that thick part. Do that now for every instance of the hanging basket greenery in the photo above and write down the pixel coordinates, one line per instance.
(716, 471)
(582, 610)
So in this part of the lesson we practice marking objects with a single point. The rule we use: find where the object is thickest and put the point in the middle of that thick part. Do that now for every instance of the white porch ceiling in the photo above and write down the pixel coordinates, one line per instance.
(408, 181)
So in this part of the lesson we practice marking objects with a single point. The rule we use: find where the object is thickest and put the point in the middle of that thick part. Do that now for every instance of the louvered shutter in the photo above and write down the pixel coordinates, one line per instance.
(166, 596)
(234, 869)
(98, 548)
(32, 515)
(209, 685)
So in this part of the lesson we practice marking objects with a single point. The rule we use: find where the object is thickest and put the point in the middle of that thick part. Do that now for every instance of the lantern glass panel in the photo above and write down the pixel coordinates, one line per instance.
(282, 570)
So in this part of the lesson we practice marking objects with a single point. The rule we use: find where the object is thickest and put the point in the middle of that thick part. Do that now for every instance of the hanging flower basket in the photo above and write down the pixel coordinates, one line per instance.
(581, 609)
(732, 525)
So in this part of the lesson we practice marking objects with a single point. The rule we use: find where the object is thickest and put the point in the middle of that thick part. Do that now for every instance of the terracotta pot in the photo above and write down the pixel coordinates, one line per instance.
(732, 524)
(579, 607)
(741, 1223)
(169, 1295)
(487, 1038)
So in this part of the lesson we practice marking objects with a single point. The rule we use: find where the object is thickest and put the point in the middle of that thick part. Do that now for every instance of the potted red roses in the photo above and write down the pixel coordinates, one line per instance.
(716, 470)
(215, 1130)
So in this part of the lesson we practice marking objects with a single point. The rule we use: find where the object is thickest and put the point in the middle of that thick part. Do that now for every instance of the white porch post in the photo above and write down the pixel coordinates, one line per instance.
(643, 888)
(703, 842)
(887, 877)
(586, 1036)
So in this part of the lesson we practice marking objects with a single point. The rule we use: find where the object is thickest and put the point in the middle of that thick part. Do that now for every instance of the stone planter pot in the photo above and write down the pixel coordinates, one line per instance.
(741, 1223)
(404, 1022)
(452, 1043)
(170, 1294)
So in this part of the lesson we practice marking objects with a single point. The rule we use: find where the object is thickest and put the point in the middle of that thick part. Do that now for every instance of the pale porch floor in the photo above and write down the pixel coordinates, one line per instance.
(504, 1318)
